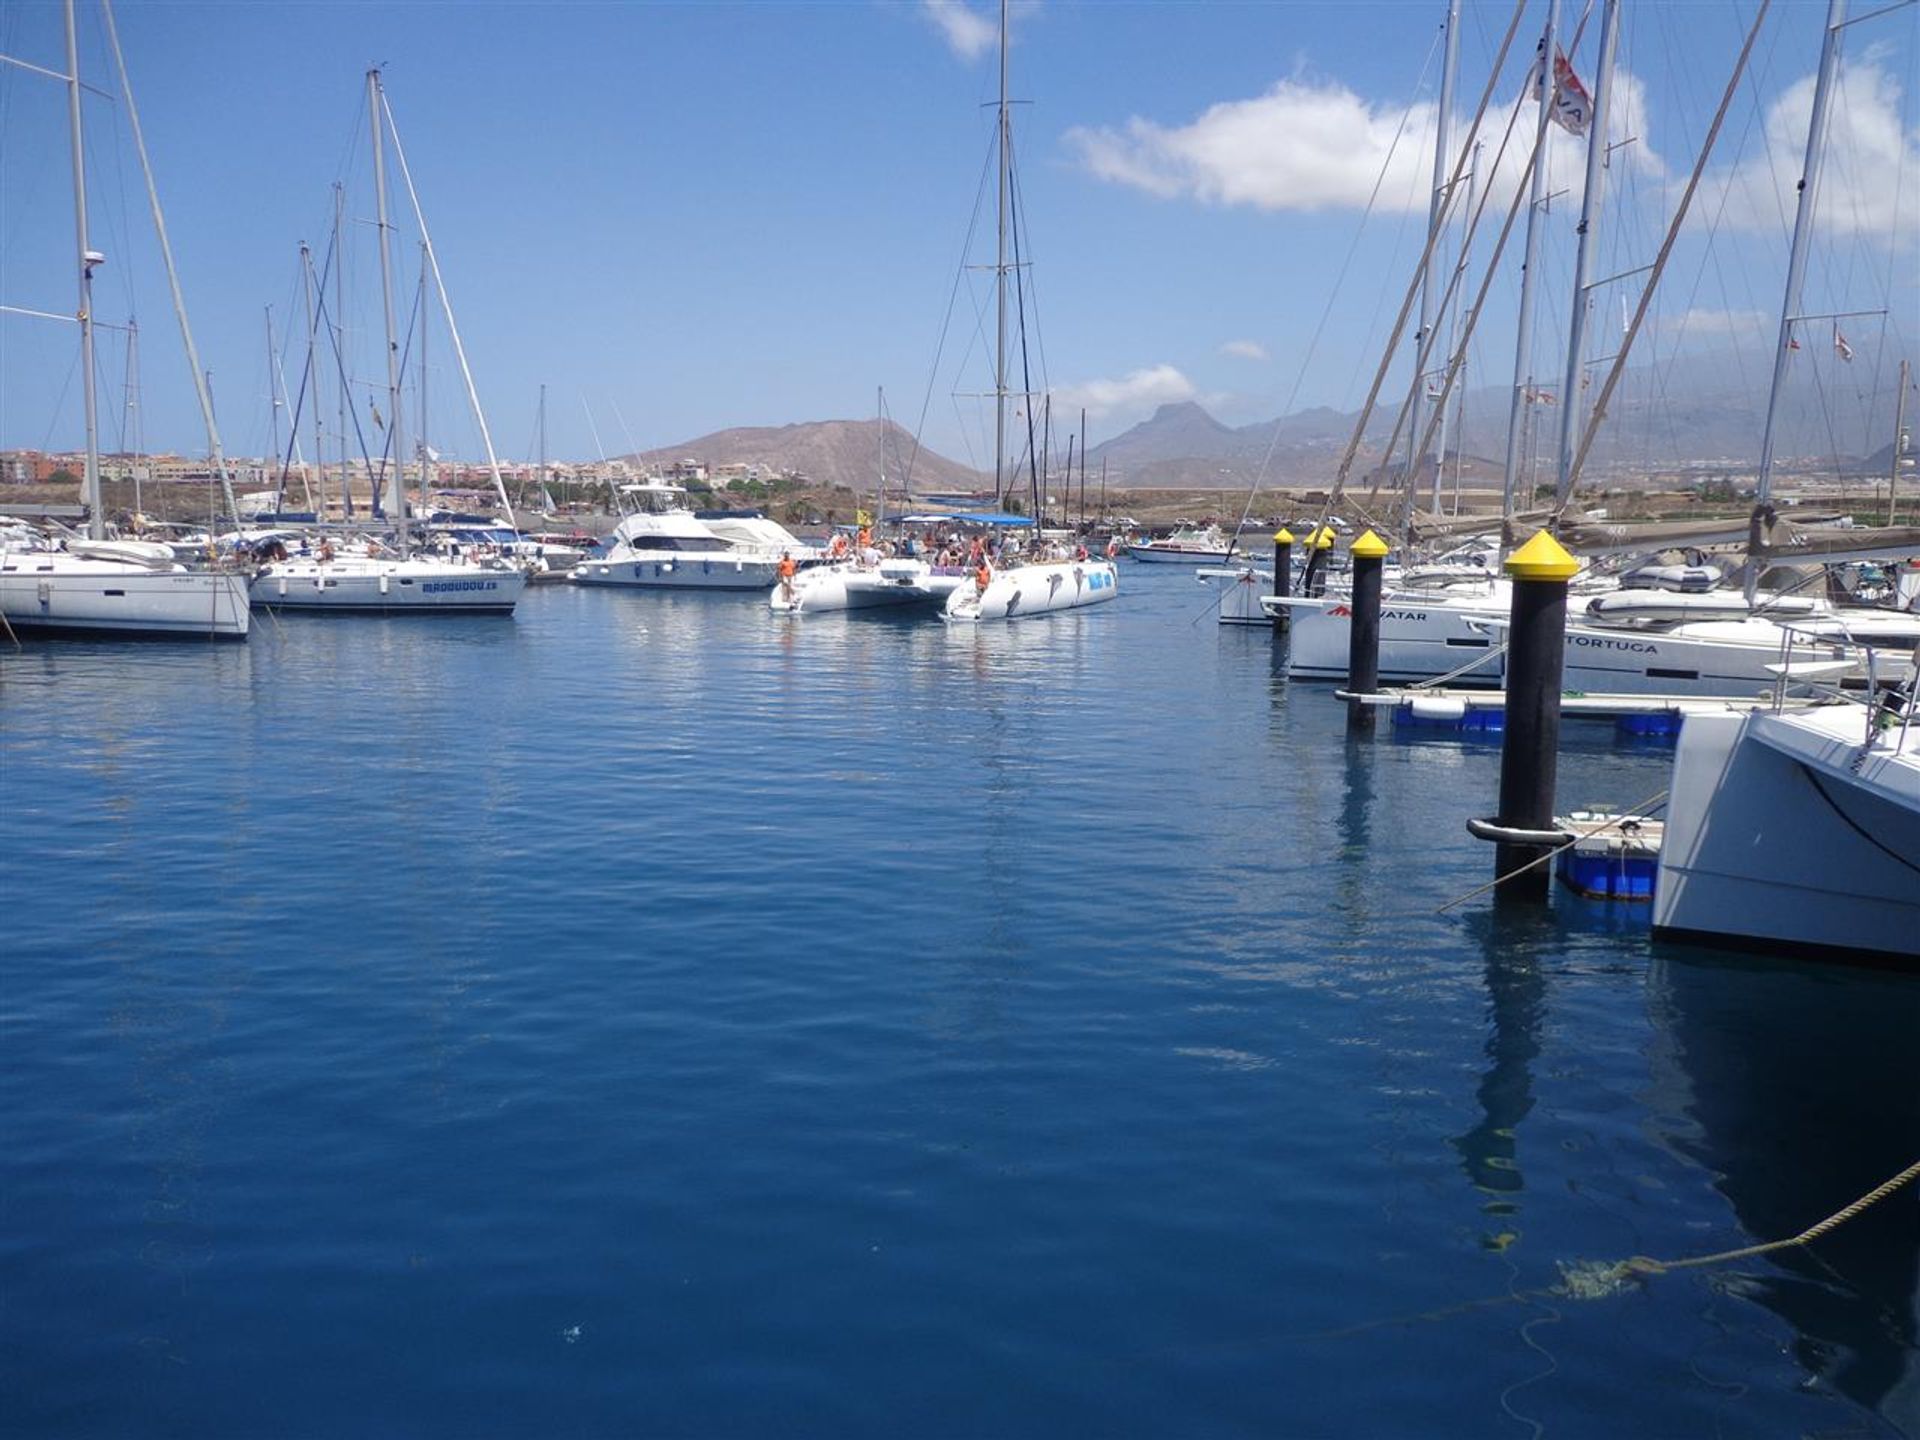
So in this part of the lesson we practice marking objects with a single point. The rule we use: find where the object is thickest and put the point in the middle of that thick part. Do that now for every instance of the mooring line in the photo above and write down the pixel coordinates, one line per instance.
(1637, 812)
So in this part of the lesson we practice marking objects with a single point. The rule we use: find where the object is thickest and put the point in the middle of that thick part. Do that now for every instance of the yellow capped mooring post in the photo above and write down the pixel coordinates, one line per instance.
(1282, 572)
(1530, 747)
(1319, 541)
(1363, 633)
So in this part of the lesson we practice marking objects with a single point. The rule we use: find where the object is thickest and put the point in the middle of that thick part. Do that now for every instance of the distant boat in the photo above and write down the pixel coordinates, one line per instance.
(1190, 545)
(663, 545)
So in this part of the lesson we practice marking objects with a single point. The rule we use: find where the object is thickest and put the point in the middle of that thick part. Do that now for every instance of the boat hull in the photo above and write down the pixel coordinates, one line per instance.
(893, 586)
(1419, 640)
(399, 588)
(1040, 589)
(724, 572)
(111, 600)
(1166, 555)
(1782, 832)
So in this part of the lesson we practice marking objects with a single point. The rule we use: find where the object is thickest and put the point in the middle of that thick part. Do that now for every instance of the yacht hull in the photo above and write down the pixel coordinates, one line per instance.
(1038, 589)
(110, 600)
(722, 572)
(400, 588)
(1783, 831)
(1419, 640)
(840, 587)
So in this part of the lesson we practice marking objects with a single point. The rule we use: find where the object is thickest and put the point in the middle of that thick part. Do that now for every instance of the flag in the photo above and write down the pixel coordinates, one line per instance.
(376, 414)
(1792, 344)
(1572, 105)
(1542, 397)
(1840, 345)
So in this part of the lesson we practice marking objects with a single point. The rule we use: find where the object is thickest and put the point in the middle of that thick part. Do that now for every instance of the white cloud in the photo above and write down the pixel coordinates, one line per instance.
(1722, 324)
(1312, 145)
(968, 33)
(1870, 166)
(1137, 391)
(1244, 350)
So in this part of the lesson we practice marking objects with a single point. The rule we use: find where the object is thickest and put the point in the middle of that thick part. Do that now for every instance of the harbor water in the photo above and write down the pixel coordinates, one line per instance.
(647, 1016)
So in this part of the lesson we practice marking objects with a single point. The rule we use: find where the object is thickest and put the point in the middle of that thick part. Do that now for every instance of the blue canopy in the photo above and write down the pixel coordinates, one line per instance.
(984, 517)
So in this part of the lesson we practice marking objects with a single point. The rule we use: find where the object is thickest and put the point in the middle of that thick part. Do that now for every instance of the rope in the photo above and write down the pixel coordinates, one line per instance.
(1640, 811)
(1482, 658)
(1598, 1282)
(1642, 1265)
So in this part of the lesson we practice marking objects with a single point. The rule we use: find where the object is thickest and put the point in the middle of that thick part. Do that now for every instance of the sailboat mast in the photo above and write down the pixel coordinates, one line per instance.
(1523, 388)
(543, 446)
(313, 383)
(1802, 235)
(1589, 214)
(340, 335)
(999, 276)
(96, 521)
(396, 489)
(1899, 438)
(1436, 207)
(426, 482)
(132, 439)
(273, 423)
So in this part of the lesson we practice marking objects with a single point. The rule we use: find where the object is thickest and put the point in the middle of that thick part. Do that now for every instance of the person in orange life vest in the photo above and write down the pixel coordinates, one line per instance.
(787, 567)
(982, 576)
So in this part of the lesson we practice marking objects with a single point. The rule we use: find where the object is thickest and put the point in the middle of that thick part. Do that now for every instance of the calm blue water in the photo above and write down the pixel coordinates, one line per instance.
(649, 1017)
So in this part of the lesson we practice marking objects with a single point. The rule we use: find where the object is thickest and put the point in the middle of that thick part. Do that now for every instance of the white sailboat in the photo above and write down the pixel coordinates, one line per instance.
(97, 586)
(1041, 582)
(371, 579)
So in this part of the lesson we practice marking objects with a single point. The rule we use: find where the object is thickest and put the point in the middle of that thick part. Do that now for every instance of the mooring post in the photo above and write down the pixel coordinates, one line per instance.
(1529, 753)
(1314, 580)
(1363, 632)
(1282, 573)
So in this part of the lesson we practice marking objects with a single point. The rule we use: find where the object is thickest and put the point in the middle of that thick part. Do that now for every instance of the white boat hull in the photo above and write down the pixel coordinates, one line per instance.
(1419, 639)
(718, 572)
(1781, 831)
(1241, 594)
(54, 593)
(1167, 555)
(395, 587)
(1039, 589)
(894, 585)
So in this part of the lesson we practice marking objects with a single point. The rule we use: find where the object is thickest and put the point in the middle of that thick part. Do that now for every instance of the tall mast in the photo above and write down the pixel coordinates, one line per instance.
(1459, 384)
(880, 484)
(132, 438)
(1570, 405)
(273, 424)
(543, 445)
(203, 391)
(1436, 207)
(1523, 389)
(999, 275)
(396, 489)
(313, 383)
(425, 459)
(96, 522)
(1900, 445)
(340, 335)
(1802, 234)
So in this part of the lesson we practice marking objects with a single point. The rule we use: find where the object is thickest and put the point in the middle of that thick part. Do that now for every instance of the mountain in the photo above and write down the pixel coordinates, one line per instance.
(1702, 409)
(827, 452)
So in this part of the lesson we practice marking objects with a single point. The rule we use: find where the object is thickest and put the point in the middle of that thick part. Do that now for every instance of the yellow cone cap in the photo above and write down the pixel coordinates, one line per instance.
(1542, 558)
(1369, 547)
(1322, 538)
(1283, 536)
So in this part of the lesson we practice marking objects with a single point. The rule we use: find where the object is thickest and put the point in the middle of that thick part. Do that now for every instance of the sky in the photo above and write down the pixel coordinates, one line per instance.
(684, 217)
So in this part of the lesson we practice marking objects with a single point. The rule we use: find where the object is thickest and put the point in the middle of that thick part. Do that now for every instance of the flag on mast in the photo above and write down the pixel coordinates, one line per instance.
(1572, 106)
(1840, 345)
(1793, 343)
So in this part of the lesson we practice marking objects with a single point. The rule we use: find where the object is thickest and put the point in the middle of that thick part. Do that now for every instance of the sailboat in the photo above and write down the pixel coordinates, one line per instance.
(94, 585)
(1045, 578)
(371, 577)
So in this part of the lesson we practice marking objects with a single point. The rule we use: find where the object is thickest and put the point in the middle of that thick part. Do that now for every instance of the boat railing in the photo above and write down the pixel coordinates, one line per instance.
(1888, 708)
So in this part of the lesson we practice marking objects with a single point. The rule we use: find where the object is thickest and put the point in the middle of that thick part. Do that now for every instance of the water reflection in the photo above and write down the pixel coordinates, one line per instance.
(1797, 1087)
(1516, 1008)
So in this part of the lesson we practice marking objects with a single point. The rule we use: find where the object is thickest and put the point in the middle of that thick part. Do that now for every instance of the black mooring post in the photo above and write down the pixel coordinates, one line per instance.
(1282, 573)
(1529, 752)
(1363, 633)
(1313, 581)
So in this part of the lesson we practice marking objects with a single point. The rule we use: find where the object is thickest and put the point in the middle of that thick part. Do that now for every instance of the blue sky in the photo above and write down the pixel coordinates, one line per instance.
(695, 216)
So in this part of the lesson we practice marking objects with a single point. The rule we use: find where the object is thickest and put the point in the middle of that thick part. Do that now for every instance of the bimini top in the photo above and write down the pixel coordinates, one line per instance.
(980, 518)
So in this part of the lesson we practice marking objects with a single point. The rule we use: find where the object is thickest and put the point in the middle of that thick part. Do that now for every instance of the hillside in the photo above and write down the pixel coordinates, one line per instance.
(827, 452)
